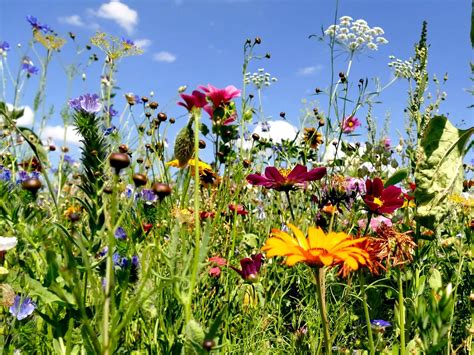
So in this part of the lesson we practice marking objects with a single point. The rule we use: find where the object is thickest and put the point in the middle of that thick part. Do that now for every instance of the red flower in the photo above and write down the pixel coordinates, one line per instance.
(216, 270)
(382, 200)
(250, 267)
(240, 209)
(286, 179)
(147, 227)
(196, 99)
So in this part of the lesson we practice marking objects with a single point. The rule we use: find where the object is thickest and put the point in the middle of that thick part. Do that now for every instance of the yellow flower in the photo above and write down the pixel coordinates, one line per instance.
(201, 165)
(317, 249)
(207, 175)
(49, 41)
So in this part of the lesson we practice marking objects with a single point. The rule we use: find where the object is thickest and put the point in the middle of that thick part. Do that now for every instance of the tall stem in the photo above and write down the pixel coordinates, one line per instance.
(319, 275)
(197, 225)
(401, 313)
(291, 207)
(366, 313)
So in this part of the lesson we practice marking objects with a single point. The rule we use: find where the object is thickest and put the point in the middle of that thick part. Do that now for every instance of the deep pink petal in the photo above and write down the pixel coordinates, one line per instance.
(257, 179)
(391, 192)
(377, 187)
(209, 110)
(315, 174)
(298, 173)
(273, 174)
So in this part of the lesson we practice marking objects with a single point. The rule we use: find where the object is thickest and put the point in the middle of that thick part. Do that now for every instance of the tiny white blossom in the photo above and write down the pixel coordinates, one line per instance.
(372, 46)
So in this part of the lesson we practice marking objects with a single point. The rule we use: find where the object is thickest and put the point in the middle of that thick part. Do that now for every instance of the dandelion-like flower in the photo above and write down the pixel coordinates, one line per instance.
(317, 249)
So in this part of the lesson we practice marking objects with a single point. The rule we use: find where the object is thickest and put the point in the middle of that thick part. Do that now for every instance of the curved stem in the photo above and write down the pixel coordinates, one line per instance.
(291, 207)
(319, 277)
(366, 313)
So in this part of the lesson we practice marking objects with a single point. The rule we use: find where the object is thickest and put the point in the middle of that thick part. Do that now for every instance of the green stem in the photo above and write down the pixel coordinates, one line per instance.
(366, 312)
(197, 225)
(401, 315)
(291, 207)
(319, 277)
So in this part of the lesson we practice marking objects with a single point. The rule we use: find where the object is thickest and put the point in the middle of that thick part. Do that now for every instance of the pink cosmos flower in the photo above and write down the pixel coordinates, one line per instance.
(349, 124)
(219, 97)
(196, 99)
(286, 179)
(380, 199)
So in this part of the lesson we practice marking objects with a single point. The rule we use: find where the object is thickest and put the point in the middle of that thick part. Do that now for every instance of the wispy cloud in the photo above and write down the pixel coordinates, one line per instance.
(56, 133)
(164, 56)
(73, 20)
(120, 13)
(143, 43)
(306, 71)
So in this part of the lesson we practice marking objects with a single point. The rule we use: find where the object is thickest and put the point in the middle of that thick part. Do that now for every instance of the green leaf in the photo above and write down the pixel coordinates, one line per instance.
(37, 289)
(397, 176)
(439, 171)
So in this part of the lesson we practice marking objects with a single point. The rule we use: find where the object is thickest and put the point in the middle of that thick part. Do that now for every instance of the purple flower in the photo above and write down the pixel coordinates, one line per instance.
(4, 47)
(380, 324)
(104, 252)
(112, 111)
(22, 176)
(128, 191)
(250, 267)
(127, 43)
(349, 124)
(88, 103)
(120, 234)
(68, 159)
(22, 308)
(36, 25)
(135, 261)
(148, 195)
(5, 174)
(29, 68)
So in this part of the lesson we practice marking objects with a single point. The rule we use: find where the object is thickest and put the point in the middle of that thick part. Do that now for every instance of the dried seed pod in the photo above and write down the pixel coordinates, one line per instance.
(119, 161)
(123, 148)
(153, 105)
(162, 117)
(172, 120)
(139, 179)
(255, 137)
(32, 185)
(202, 144)
(161, 190)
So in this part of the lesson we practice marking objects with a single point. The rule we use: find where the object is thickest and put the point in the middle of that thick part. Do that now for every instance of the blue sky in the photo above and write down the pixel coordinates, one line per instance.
(191, 42)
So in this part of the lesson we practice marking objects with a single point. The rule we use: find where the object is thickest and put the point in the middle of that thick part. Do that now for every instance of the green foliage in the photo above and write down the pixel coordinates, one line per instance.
(439, 172)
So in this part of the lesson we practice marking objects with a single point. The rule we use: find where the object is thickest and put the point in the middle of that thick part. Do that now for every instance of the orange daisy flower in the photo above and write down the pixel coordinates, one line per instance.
(317, 249)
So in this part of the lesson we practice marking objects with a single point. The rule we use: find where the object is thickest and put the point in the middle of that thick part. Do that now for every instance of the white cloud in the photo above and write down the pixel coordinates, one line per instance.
(56, 133)
(310, 70)
(27, 119)
(142, 43)
(164, 56)
(73, 20)
(123, 15)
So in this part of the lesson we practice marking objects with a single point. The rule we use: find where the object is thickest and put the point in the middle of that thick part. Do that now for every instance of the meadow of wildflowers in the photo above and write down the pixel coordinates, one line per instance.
(245, 235)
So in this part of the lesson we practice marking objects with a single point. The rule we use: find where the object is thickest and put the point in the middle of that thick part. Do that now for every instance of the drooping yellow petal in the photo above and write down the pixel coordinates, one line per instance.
(295, 258)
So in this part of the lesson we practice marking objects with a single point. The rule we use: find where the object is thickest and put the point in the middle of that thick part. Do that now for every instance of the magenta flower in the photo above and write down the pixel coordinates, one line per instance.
(349, 124)
(250, 267)
(220, 97)
(196, 99)
(286, 179)
(382, 200)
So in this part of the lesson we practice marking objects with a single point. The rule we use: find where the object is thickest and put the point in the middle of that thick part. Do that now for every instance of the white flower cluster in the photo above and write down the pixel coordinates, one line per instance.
(356, 35)
(402, 69)
(259, 79)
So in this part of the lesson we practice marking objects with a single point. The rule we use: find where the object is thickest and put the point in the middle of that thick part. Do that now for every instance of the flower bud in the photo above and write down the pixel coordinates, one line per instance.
(153, 105)
(119, 161)
(161, 190)
(139, 179)
(32, 185)
(184, 146)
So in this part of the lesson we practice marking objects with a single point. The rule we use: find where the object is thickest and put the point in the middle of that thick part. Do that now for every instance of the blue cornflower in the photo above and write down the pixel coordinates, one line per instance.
(68, 159)
(87, 102)
(4, 47)
(380, 324)
(29, 68)
(135, 261)
(109, 131)
(104, 252)
(23, 309)
(128, 191)
(36, 25)
(148, 195)
(120, 233)
(22, 176)
(127, 43)
(112, 111)
(5, 174)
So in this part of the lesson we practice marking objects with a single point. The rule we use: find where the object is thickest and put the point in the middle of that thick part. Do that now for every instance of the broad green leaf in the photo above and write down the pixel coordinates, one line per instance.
(398, 176)
(36, 289)
(439, 171)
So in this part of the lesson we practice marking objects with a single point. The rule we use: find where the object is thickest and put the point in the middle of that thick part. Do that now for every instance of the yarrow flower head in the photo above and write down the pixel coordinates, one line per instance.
(259, 79)
(286, 179)
(88, 103)
(382, 200)
(317, 249)
(22, 308)
(402, 69)
(356, 35)
(349, 124)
